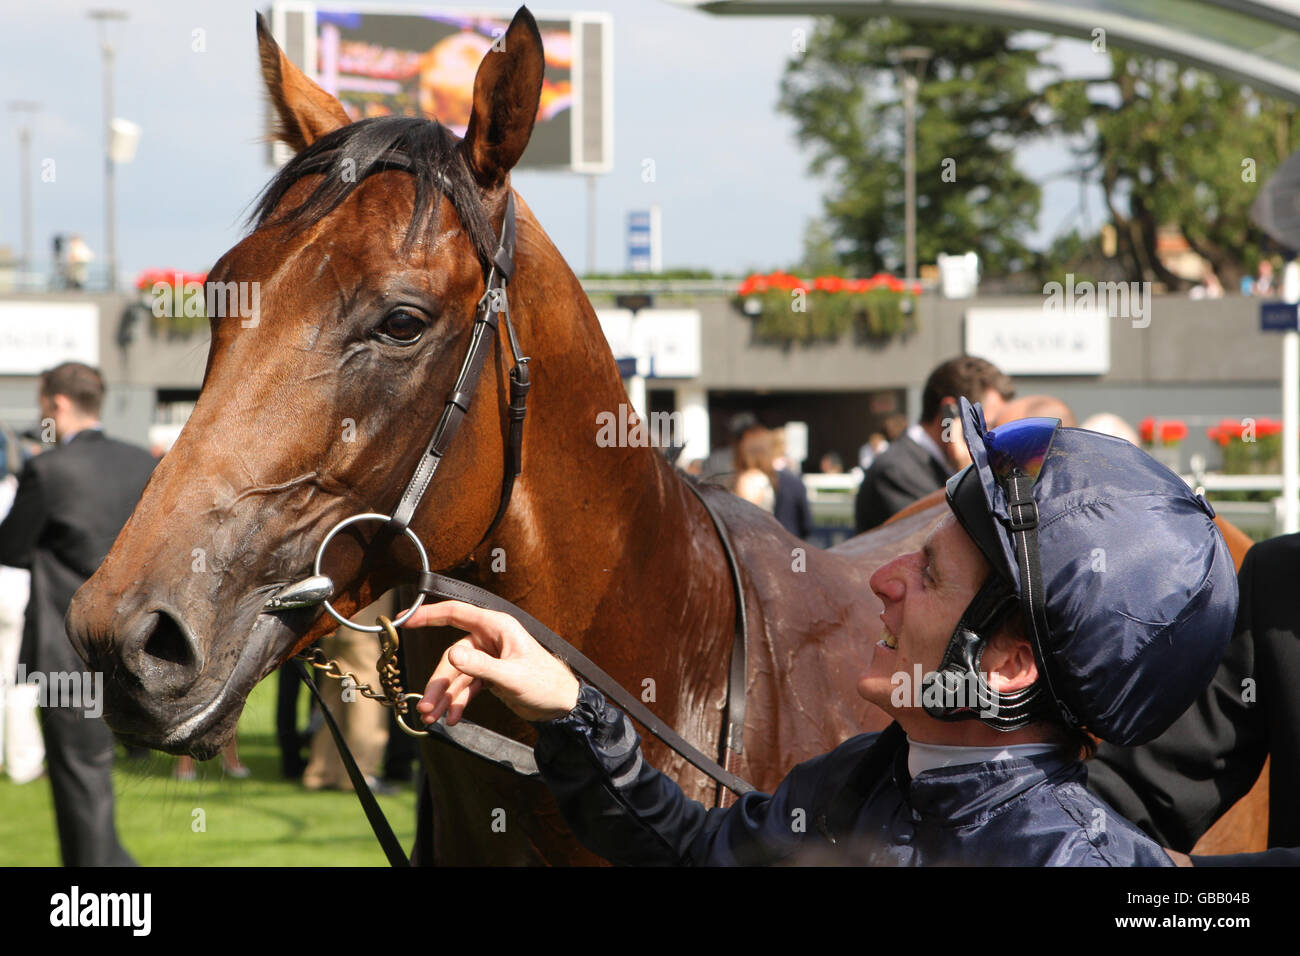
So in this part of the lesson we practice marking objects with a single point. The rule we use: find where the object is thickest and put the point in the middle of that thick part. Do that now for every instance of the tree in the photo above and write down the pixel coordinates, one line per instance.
(1171, 145)
(974, 107)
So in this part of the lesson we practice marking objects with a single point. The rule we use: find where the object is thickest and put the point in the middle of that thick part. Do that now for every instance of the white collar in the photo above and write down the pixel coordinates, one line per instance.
(922, 438)
(922, 757)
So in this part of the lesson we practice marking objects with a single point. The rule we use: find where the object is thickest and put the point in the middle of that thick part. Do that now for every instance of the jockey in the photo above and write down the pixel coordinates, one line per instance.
(1077, 584)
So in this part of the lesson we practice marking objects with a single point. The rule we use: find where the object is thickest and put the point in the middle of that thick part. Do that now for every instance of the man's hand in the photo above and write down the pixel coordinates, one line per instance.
(498, 654)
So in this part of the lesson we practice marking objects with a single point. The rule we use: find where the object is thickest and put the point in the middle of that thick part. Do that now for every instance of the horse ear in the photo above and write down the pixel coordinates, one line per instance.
(305, 111)
(507, 91)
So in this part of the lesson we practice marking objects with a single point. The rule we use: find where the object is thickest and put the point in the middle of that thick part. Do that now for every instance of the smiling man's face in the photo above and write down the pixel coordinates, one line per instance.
(924, 593)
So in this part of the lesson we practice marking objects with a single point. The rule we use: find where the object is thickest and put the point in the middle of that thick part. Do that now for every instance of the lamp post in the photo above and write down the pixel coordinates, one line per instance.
(909, 62)
(102, 18)
(25, 175)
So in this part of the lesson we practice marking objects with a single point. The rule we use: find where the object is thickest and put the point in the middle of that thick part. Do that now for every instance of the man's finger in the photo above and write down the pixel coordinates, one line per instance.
(461, 701)
(460, 615)
(475, 663)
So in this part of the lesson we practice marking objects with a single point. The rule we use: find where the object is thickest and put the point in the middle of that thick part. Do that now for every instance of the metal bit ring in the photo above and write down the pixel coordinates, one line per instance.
(320, 553)
(401, 719)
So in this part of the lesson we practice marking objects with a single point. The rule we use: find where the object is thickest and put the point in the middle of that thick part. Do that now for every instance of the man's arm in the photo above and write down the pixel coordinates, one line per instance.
(629, 813)
(619, 806)
(22, 527)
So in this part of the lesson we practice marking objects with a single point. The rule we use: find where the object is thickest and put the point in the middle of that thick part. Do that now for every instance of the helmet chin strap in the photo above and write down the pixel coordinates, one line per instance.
(958, 690)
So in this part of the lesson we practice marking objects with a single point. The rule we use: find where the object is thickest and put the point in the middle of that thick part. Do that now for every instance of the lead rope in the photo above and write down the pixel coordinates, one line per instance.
(378, 822)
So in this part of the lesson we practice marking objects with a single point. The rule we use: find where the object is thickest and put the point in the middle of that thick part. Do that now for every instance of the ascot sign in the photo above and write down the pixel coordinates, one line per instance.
(35, 336)
(1035, 341)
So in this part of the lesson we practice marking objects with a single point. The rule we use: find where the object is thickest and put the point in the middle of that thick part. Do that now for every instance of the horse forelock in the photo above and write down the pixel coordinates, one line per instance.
(344, 158)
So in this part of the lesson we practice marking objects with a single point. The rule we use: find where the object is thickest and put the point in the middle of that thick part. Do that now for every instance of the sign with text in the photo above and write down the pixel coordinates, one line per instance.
(1278, 317)
(664, 342)
(1032, 341)
(35, 336)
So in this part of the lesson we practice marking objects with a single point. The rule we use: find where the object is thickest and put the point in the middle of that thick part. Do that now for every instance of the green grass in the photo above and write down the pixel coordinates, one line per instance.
(262, 820)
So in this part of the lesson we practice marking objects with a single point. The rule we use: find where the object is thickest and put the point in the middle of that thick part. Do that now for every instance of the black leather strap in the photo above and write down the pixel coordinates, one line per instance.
(738, 673)
(1023, 511)
(493, 304)
(378, 822)
(439, 586)
(487, 744)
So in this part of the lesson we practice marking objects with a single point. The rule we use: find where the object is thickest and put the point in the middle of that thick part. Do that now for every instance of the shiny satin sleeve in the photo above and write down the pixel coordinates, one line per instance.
(629, 813)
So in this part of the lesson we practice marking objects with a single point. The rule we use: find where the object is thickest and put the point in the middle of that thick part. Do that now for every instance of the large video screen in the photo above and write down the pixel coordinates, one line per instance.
(424, 63)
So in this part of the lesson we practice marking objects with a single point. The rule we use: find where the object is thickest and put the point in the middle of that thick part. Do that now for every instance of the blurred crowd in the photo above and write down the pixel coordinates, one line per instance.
(901, 462)
(66, 490)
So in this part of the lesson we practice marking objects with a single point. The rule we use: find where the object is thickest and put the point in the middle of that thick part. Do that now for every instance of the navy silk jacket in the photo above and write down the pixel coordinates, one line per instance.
(856, 804)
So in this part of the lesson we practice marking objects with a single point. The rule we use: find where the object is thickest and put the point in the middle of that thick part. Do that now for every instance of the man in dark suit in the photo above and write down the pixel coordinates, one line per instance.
(70, 505)
(1179, 784)
(928, 453)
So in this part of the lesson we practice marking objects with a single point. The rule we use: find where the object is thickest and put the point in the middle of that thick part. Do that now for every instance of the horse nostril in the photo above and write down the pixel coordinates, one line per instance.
(168, 641)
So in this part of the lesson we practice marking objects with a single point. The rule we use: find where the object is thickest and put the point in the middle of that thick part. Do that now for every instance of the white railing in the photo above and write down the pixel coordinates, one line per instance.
(831, 498)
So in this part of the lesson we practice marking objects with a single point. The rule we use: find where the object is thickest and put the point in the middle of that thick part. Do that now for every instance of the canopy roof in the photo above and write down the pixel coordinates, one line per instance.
(1256, 42)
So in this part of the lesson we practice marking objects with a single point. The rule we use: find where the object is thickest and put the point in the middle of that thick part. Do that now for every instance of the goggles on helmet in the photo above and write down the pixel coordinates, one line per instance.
(1016, 452)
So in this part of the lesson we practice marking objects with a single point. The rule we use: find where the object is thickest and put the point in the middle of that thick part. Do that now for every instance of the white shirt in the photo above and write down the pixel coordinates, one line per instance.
(922, 438)
(922, 757)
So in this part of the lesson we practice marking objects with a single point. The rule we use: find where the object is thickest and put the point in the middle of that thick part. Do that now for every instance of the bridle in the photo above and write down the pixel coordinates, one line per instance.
(491, 305)
(318, 589)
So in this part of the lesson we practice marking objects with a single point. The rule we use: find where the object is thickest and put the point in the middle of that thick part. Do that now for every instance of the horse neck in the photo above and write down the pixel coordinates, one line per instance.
(593, 530)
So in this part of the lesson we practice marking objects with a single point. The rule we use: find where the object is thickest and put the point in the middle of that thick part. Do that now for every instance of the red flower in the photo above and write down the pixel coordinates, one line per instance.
(1171, 432)
(1146, 430)
(1267, 427)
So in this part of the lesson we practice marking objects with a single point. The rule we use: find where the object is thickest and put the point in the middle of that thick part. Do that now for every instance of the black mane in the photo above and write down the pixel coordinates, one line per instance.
(425, 149)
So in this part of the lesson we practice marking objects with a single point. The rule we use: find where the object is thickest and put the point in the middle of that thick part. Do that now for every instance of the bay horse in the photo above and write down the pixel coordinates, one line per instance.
(320, 409)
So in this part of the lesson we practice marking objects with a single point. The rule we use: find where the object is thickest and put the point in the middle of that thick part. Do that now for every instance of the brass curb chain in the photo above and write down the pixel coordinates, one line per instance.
(390, 678)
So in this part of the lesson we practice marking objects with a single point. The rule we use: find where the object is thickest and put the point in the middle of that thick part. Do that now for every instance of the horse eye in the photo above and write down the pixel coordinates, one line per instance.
(400, 326)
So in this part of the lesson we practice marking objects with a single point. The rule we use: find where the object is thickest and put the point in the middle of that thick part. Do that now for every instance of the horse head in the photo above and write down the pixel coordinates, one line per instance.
(318, 405)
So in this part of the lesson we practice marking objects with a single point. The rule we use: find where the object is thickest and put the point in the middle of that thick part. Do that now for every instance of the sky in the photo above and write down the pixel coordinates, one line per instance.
(695, 93)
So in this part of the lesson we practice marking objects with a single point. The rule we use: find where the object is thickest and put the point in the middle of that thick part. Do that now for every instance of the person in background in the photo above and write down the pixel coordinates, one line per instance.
(792, 508)
(79, 259)
(22, 751)
(1176, 786)
(362, 720)
(721, 461)
(1036, 406)
(876, 444)
(72, 502)
(754, 477)
(1264, 284)
(923, 458)
(832, 463)
(1111, 424)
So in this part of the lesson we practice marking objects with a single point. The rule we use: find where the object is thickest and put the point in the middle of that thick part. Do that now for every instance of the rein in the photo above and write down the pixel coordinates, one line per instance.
(498, 749)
